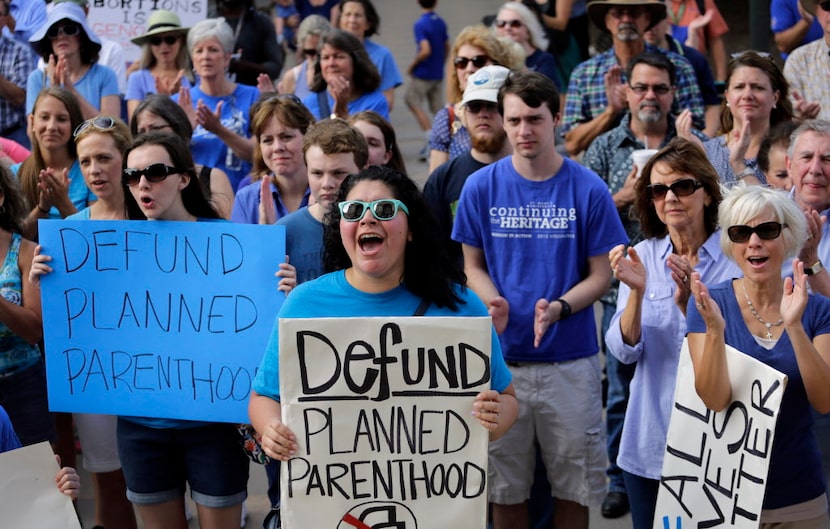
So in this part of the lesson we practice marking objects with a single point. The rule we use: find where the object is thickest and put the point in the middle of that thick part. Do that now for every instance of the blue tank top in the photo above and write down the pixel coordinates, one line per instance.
(15, 352)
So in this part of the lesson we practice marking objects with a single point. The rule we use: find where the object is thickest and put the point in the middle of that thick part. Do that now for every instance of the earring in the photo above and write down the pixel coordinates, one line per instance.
(727, 105)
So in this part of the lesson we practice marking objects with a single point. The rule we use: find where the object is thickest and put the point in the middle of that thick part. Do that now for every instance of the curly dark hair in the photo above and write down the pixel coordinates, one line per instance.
(365, 75)
(193, 195)
(428, 270)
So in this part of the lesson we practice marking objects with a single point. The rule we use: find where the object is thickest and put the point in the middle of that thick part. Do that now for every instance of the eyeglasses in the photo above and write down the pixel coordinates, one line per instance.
(619, 12)
(167, 39)
(681, 188)
(766, 231)
(309, 52)
(100, 123)
(515, 23)
(383, 209)
(68, 30)
(475, 107)
(658, 89)
(153, 173)
(479, 61)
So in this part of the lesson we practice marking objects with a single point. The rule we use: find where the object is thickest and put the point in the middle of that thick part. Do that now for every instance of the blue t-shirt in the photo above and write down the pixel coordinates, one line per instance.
(211, 151)
(370, 101)
(246, 203)
(304, 244)
(784, 15)
(545, 63)
(382, 58)
(99, 81)
(345, 301)
(79, 193)
(795, 473)
(141, 83)
(8, 439)
(537, 237)
(432, 28)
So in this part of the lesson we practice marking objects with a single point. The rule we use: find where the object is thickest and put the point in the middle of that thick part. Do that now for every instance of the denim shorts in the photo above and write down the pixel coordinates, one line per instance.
(23, 394)
(157, 462)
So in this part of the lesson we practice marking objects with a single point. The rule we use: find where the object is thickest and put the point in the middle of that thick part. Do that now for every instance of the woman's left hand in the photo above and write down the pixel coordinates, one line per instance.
(207, 118)
(794, 299)
(681, 273)
(487, 409)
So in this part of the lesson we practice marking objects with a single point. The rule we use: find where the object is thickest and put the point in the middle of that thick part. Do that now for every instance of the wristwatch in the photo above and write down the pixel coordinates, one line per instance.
(566, 309)
(814, 269)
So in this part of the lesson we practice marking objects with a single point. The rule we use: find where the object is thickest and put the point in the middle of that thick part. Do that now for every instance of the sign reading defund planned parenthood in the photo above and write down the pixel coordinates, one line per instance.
(158, 319)
(382, 411)
(715, 465)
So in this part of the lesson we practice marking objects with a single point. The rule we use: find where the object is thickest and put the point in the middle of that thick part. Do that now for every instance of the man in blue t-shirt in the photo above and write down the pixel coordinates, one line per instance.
(535, 230)
(427, 68)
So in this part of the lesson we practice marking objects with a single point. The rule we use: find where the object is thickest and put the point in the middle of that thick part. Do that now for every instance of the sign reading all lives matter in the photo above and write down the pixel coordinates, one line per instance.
(382, 411)
(123, 20)
(158, 319)
(715, 465)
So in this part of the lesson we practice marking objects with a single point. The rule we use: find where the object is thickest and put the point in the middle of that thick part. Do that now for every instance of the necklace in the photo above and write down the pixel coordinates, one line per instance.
(758, 317)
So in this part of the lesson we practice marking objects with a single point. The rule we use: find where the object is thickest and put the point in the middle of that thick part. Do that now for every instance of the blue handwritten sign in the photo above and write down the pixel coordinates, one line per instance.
(158, 319)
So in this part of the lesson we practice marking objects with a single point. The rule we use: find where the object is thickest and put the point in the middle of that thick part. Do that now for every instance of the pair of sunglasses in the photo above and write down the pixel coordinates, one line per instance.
(658, 89)
(515, 24)
(766, 231)
(100, 123)
(167, 39)
(475, 107)
(153, 173)
(681, 188)
(383, 209)
(310, 52)
(479, 61)
(68, 30)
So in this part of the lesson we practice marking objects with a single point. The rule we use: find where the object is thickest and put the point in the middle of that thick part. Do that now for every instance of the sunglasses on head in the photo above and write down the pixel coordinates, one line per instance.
(284, 97)
(766, 231)
(475, 107)
(515, 24)
(479, 61)
(69, 30)
(100, 123)
(681, 188)
(762, 54)
(383, 209)
(167, 39)
(153, 173)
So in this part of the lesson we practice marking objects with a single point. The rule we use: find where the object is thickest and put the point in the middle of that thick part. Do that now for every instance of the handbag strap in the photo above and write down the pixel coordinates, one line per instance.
(422, 308)
(323, 103)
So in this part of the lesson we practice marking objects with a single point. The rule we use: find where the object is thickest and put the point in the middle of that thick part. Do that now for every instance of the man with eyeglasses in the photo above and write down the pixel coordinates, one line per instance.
(535, 229)
(489, 144)
(595, 100)
(808, 67)
(648, 123)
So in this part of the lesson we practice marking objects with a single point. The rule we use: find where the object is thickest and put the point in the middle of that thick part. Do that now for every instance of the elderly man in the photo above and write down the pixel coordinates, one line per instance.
(808, 67)
(648, 123)
(596, 94)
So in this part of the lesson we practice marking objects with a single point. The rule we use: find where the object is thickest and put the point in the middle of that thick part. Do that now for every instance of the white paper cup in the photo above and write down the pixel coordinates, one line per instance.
(640, 158)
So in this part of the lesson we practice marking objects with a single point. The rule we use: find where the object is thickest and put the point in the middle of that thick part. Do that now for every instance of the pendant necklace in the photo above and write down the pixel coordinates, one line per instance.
(754, 312)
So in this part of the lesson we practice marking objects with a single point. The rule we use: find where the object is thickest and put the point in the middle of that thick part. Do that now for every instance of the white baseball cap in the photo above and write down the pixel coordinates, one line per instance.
(484, 84)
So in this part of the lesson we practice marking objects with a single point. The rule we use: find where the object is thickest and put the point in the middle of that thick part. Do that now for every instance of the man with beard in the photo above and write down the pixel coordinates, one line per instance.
(596, 93)
(484, 123)
(648, 123)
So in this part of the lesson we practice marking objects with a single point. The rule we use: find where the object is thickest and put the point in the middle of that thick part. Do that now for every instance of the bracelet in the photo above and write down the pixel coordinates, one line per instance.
(566, 309)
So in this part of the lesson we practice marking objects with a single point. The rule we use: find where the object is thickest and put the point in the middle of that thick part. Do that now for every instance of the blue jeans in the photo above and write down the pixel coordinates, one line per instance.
(642, 497)
(272, 472)
(619, 377)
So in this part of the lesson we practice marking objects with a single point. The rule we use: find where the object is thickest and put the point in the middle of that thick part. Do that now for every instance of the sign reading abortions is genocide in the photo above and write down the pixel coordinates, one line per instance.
(123, 20)
(715, 465)
(158, 319)
(382, 411)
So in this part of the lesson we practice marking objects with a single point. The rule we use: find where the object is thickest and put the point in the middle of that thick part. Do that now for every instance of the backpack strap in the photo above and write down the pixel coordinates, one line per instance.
(422, 308)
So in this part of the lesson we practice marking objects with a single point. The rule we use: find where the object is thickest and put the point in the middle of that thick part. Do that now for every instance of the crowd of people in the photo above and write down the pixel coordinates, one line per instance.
(535, 213)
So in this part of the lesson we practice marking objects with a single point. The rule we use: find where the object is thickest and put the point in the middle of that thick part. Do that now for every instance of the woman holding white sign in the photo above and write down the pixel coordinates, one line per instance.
(676, 201)
(779, 323)
(388, 261)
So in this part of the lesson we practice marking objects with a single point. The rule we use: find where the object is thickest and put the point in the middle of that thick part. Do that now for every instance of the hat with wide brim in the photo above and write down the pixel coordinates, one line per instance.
(63, 11)
(598, 8)
(161, 22)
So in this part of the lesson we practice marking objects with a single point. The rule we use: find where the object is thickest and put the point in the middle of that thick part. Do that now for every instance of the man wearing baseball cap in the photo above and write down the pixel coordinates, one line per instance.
(596, 93)
(481, 117)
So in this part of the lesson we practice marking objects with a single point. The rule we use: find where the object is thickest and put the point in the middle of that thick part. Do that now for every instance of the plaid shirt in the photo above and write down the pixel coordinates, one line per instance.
(586, 91)
(15, 67)
(610, 157)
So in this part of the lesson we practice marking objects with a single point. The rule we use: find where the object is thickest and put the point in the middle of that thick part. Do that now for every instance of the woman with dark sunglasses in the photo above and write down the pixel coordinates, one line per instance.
(474, 48)
(676, 201)
(70, 50)
(298, 79)
(515, 21)
(777, 322)
(164, 65)
(399, 269)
